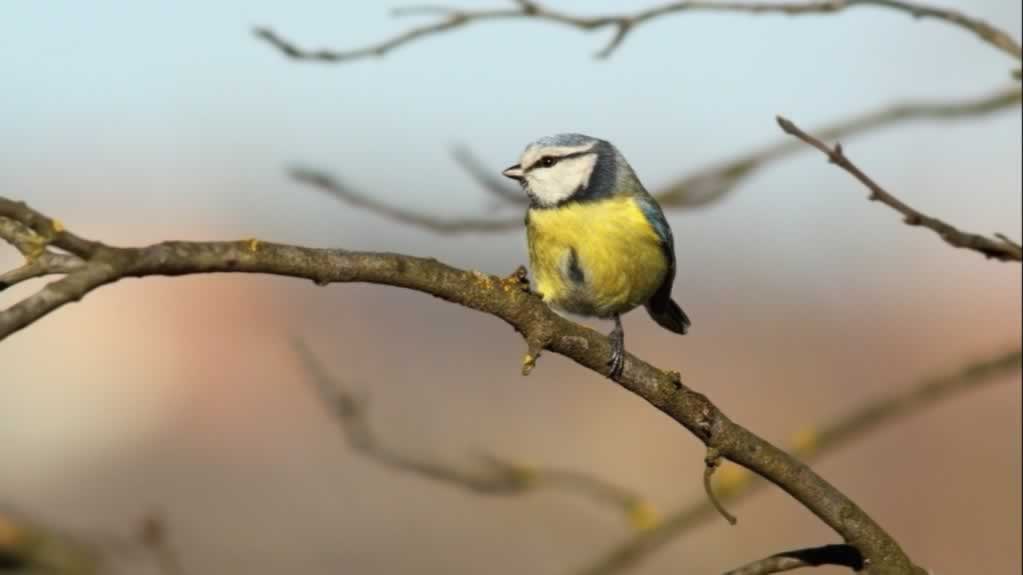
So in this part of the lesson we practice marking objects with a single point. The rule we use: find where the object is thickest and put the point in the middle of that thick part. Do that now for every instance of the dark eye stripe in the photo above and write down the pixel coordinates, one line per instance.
(538, 162)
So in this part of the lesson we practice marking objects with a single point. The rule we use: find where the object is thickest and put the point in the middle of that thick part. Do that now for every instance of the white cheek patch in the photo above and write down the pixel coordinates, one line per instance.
(551, 186)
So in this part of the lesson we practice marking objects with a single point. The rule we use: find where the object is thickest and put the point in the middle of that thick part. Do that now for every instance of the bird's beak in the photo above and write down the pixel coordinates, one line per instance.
(515, 172)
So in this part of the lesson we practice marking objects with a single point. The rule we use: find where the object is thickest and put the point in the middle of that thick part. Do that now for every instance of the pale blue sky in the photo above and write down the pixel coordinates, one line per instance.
(177, 105)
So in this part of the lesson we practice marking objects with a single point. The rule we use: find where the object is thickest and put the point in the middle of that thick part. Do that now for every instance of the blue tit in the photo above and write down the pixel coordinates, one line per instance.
(599, 245)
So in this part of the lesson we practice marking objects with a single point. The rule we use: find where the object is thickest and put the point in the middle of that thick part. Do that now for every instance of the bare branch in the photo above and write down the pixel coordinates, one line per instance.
(487, 178)
(623, 24)
(498, 477)
(326, 183)
(39, 261)
(710, 184)
(542, 328)
(996, 247)
(702, 188)
(810, 443)
(839, 555)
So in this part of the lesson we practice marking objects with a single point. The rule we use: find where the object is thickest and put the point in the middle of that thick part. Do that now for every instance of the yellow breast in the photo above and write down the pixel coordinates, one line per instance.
(608, 244)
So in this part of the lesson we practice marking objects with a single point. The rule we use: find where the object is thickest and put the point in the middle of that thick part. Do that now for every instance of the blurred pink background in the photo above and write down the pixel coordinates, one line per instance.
(137, 124)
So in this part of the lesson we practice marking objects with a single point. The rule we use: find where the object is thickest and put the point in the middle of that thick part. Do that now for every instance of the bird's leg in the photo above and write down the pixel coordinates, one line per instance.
(617, 361)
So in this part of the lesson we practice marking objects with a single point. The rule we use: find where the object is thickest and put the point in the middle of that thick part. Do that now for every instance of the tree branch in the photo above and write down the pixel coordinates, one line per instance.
(840, 555)
(500, 477)
(809, 444)
(39, 261)
(542, 329)
(623, 24)
(998, 247)
(701, 188)
(347, 195)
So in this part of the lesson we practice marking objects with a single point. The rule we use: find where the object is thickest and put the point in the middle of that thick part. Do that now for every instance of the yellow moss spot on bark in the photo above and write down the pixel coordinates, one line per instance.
(10, 534)
(253, 245)
(58, 226)
(482, 279)
(523, 473)
(528, 363)
(36, 248)
(804, 441)
(642, 515)
(730, 478)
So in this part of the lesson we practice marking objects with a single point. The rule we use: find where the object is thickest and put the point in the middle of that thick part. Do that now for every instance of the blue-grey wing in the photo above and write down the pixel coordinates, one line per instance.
(655, 216)
(661, 307)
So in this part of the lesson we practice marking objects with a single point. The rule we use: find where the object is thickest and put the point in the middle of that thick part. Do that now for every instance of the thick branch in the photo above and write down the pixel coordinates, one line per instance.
(808, 444)
(498, 477)
(503, 298)
(998, 247)
(623, 24)
(703, 187)
(840, 555)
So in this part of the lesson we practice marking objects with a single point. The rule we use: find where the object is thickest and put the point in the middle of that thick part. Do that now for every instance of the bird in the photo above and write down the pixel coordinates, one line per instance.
(599, 244)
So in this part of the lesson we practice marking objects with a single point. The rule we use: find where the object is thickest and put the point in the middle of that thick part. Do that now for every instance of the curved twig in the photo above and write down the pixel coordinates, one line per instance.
(499, 476)
(997, 247)
(701, 188)
(542, 328)
(711, 462)
(623, 24)
(347, 195)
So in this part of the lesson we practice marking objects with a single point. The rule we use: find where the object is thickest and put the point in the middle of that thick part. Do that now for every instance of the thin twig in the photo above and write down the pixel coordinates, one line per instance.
(711, 462)
(499, 477)
(623, 24)
(39, 261)
(995, 247)
(346, 194)
(708, 185)
(703, 187)
(503, 298)
(838, 555)
(809, 444)
(488, 179)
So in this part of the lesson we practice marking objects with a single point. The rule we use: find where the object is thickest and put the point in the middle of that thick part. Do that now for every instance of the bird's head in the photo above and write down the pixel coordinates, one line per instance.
(569, 167)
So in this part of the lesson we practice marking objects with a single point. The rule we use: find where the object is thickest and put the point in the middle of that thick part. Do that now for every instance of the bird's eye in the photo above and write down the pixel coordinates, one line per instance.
(548, 161)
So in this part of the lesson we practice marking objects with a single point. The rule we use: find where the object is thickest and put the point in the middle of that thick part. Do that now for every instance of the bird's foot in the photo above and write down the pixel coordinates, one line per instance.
(616, 364)
(519, 279)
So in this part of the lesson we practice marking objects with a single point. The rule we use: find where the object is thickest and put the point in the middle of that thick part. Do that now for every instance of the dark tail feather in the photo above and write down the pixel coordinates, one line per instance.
(668, 315)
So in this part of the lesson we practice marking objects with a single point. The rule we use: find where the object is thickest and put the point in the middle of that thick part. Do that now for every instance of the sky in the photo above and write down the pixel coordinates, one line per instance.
(135, 122)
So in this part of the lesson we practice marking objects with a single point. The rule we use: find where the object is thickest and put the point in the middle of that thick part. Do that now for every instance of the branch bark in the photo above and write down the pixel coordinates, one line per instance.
(503, 298)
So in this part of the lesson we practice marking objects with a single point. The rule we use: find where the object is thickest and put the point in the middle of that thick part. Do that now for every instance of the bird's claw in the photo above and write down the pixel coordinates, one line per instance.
(519, 279)
(616, 364)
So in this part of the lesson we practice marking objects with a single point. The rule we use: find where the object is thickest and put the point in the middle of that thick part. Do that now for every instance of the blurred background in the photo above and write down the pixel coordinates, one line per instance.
(139, 122)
